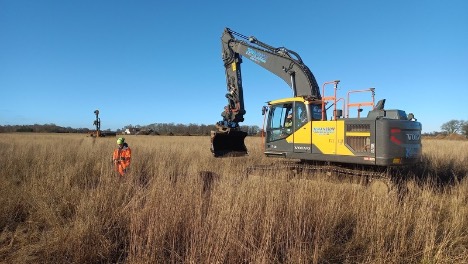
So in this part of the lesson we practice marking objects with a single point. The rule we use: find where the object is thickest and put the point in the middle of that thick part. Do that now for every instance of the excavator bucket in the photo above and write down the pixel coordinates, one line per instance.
(228, 143)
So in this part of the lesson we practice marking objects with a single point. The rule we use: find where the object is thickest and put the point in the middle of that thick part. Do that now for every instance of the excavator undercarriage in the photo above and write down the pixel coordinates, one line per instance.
(379, 179)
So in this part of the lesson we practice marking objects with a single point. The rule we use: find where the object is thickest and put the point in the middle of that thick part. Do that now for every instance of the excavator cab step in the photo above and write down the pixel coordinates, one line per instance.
(228, 143)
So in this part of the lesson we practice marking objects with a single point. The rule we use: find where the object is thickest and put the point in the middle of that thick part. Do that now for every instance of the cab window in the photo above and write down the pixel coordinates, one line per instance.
(316, 112)
(278, 126)
(300, 114)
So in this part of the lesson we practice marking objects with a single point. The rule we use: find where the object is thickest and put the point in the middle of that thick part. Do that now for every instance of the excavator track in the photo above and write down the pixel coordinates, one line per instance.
(292, 169)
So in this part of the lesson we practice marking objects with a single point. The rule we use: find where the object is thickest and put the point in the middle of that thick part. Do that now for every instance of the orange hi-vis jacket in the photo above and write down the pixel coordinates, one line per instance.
(121, 158)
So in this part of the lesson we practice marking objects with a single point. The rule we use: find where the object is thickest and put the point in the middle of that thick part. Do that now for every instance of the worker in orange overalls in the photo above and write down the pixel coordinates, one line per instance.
(122, 156)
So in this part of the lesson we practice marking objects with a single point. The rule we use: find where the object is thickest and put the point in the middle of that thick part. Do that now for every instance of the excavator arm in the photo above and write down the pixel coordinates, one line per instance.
(281, 61)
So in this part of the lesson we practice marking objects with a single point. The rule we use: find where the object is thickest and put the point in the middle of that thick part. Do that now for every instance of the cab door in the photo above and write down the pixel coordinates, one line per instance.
(279, 137)
(302, 129)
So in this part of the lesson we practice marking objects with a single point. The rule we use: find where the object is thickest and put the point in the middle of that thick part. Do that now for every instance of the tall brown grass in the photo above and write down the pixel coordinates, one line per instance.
(61, 202)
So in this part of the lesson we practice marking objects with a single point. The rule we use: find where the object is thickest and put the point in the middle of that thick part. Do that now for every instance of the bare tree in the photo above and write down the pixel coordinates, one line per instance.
(452, 126)
(464, 128)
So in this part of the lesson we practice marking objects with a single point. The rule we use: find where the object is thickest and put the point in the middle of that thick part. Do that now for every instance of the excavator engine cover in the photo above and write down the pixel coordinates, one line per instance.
(228, 143)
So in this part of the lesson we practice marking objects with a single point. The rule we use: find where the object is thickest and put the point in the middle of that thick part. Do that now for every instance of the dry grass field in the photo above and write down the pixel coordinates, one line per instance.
(61, 202)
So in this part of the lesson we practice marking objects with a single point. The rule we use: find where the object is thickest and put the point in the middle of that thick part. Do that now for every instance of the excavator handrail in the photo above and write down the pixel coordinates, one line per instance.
(359, 104)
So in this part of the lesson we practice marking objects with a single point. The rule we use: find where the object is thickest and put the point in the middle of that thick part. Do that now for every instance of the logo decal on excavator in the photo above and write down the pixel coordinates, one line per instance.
(323, 130)
(256, 55)
(412, 152)
(413, 137)
(301, 148)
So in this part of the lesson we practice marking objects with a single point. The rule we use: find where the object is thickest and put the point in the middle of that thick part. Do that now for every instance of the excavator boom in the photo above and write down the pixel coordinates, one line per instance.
(281, 61)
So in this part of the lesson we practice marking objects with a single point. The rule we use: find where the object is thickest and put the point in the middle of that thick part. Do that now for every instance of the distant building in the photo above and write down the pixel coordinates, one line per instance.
(131, 131)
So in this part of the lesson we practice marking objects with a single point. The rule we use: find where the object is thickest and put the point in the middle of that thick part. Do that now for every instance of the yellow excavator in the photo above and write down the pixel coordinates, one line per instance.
(310, 126)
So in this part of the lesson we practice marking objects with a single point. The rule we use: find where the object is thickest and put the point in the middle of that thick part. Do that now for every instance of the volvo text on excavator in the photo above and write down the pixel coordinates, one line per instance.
(299, 127)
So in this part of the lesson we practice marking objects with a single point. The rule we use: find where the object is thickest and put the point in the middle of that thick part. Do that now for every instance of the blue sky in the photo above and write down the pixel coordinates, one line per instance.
(144, 62)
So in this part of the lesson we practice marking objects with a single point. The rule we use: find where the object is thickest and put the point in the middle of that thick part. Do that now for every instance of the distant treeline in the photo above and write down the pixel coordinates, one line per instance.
(153, 129)
(46, 128)
(181, 129)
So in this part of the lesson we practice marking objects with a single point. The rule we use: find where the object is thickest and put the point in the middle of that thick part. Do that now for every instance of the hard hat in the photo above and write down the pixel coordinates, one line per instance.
(120, 141)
